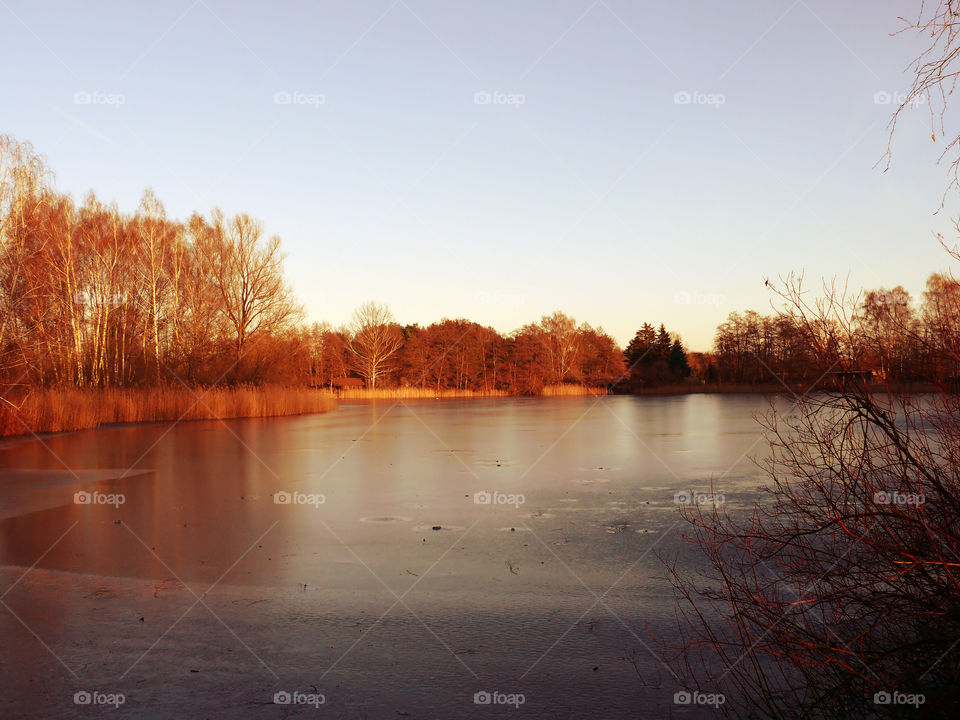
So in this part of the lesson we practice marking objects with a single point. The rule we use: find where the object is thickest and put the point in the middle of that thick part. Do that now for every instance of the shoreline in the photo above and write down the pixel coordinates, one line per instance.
(56, 410)
(775, 388)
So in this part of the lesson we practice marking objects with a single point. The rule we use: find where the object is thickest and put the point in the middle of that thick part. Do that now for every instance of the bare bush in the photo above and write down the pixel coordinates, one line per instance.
(840, 588)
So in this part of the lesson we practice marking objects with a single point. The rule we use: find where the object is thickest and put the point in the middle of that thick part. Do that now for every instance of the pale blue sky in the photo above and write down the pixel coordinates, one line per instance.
(598, 194)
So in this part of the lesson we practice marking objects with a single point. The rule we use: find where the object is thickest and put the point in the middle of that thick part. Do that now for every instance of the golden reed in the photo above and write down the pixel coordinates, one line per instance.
(413, 393)
(65, 409)
(47, 410)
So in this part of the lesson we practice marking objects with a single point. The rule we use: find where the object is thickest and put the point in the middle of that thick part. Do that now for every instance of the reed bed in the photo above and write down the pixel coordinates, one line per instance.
(44, 410)
(414, 393)
(571, 389)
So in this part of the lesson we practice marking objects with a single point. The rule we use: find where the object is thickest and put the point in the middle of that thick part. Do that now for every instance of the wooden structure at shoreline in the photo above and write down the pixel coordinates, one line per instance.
(338, 385)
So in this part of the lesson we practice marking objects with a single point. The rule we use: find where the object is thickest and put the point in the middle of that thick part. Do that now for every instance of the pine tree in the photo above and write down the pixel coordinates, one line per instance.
(639, 348)
(677, 362)
(663, 343)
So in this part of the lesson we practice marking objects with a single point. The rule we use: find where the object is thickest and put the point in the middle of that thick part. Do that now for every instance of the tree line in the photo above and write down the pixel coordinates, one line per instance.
(461, 354)
(90, 296)
(883, 334)
(94, 297)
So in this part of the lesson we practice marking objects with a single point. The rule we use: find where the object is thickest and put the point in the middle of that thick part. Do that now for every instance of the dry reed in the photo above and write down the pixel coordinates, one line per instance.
(414, 393)
(66, 409)
(571, 389)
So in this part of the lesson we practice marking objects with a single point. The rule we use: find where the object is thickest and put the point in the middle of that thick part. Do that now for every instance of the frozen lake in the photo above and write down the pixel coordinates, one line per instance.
(387, 584)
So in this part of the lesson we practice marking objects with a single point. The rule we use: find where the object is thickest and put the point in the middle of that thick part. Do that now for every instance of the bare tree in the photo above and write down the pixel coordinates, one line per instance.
(941, 324)
(23, 177)
(248, 276)
(837, 595)
(375, 339)
(156, 236)
(63, 257)
(935, 75)
(840, 589)
(200, 323)
(890, 329)
(563, 339)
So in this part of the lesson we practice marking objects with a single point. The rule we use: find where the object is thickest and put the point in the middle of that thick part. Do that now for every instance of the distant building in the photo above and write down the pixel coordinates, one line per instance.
(842, 378)
(345, 383)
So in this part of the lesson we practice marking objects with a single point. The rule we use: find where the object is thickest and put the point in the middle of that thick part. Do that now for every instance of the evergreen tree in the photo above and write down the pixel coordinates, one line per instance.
(640, 347)
(677, 362)
(663, 343)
